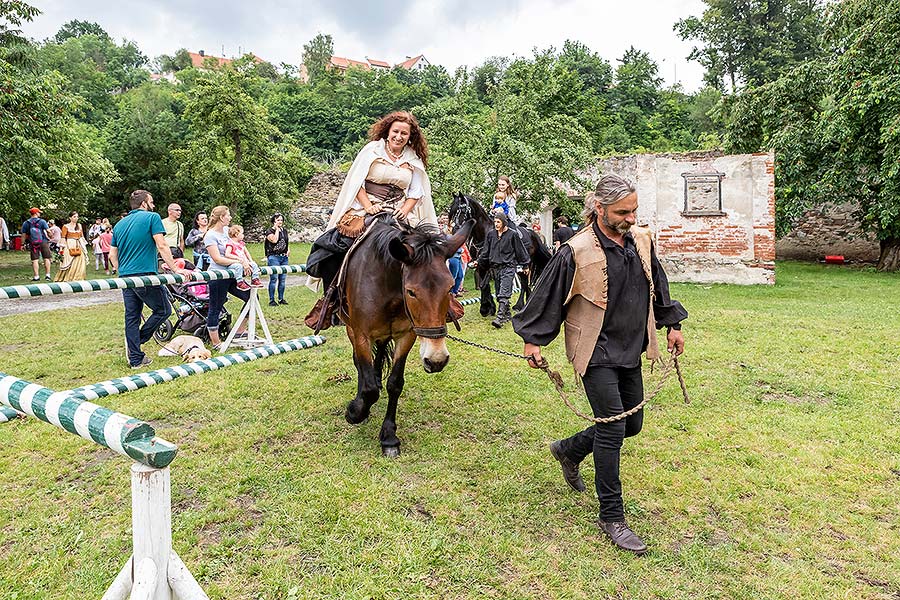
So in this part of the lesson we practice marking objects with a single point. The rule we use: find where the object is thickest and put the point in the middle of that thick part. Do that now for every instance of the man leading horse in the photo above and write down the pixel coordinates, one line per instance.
(608, 287)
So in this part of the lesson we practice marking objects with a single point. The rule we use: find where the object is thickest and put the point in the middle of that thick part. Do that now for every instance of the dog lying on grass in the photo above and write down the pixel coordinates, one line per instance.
(188, 347)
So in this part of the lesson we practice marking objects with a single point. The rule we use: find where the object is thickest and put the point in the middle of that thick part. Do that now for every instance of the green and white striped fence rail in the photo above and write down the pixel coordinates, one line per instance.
(118, 283)
(120, 433)
(8, 414)
(142, 380)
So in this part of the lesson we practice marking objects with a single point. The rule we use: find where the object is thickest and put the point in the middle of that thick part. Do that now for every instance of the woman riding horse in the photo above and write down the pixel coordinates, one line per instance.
(388, 176)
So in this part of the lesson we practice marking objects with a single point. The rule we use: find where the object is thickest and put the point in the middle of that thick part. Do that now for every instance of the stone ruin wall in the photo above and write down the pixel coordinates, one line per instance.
(706, 244)
(829, 230)
(738, 248)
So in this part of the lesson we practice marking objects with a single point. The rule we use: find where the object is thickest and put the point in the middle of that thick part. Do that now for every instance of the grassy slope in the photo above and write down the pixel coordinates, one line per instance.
(779, 480)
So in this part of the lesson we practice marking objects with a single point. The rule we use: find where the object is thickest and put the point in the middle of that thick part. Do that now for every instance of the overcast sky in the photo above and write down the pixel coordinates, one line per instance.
(448, 32)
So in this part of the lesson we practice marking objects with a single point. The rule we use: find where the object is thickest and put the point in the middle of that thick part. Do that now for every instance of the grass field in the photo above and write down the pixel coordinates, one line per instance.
(780, 480)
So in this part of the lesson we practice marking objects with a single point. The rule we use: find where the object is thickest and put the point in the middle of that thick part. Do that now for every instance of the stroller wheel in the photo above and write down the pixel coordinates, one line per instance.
(202, 333)
(164, 332)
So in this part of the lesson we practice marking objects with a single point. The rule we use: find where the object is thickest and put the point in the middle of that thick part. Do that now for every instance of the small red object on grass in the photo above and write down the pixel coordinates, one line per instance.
(834, 259)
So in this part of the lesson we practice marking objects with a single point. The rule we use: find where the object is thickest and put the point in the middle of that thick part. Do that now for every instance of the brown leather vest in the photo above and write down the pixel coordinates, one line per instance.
(586, 301)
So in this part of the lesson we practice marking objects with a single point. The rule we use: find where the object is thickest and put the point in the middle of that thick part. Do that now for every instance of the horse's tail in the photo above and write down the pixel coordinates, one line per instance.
(384, 357)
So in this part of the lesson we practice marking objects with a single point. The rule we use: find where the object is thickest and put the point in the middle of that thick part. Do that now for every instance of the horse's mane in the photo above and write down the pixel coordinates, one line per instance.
(426, 240)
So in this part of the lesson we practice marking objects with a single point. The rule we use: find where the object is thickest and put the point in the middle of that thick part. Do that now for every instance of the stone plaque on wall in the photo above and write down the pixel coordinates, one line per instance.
(703, 193)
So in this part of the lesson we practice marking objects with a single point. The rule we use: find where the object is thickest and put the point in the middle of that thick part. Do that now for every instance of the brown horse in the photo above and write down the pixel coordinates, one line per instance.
(397, 288)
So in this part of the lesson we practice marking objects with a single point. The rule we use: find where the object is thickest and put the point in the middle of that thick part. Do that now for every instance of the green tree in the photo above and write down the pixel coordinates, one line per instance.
(317, 55)
(49, 160)
(174, 63)
(140, 141)
(751, 42)
(12, 14)
(234, 154)
(862, 117)
(77, 28)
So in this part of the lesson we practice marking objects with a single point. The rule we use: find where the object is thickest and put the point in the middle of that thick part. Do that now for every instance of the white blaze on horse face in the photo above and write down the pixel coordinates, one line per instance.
(434, 353)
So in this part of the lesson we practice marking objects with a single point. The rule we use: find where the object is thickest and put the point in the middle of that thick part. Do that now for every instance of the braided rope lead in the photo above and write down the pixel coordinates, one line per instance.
(557, 380)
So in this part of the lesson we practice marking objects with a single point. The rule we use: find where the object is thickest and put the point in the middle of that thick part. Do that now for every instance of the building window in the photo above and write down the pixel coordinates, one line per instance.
(703, 194)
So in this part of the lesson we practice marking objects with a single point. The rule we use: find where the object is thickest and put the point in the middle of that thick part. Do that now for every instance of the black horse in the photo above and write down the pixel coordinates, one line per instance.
(464, 208)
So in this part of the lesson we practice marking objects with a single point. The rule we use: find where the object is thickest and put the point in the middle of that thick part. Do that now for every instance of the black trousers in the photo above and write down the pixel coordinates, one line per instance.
(610, 390)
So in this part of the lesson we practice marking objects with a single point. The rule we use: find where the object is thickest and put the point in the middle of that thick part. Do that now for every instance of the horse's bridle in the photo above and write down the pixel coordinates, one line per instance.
(432, 333)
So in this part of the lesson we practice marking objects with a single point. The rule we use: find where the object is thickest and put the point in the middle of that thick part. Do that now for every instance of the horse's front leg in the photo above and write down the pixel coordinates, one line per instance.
(390, 444)
(368, 381)
(487, 307)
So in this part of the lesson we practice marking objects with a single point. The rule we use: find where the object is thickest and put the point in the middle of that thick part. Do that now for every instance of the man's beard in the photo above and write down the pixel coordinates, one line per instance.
(622, 227)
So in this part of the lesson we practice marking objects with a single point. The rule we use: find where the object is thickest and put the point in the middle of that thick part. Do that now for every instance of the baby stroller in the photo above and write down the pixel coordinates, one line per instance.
(190, 306)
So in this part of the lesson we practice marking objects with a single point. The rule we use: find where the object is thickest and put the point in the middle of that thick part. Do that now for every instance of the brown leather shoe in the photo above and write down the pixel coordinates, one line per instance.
(622, 536)
(569, 468)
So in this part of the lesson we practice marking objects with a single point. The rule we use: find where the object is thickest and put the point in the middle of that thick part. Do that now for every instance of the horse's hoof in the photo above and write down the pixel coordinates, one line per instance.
(354, 418)
(390, 451)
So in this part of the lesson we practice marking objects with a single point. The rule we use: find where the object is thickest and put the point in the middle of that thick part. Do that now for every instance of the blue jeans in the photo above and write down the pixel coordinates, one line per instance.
(456, 271)
(277, 260)
(237, 269)
(136, 334)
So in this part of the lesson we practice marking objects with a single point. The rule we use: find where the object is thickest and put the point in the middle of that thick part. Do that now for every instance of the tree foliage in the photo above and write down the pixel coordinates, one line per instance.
(49, 159)
(317, 55)
(234, 154)
(752, 42)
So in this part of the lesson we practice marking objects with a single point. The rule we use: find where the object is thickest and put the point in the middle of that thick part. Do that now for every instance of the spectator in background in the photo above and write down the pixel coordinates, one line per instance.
(236, 249)
(216, 239)
(54, 235)
(277, 253)
(194, 240)
(35, 229)
(174, 231)
(136, 239)
(74, 251)
(105, 240)
(95, 230)
(563, 232)
(456, 270)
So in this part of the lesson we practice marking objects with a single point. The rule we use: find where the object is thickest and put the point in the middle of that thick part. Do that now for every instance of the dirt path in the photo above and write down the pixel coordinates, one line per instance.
(60, 301)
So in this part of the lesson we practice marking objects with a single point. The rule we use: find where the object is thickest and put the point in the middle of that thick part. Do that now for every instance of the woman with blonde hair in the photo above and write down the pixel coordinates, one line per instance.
(74, 250)
(215, 240)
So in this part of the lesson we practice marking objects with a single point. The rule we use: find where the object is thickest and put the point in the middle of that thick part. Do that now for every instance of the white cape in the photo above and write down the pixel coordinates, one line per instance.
(423, 212)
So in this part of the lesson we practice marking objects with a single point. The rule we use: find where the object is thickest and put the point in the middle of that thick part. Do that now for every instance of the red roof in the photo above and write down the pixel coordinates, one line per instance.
(378, 63)
(197, 60)
(410, 62)
(346, 63)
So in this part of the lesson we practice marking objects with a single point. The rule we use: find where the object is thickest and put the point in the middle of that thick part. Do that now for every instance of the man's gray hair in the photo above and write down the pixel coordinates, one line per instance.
(610, 189)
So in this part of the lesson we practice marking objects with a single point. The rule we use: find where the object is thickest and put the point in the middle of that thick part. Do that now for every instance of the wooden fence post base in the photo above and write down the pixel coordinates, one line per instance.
(154, 571)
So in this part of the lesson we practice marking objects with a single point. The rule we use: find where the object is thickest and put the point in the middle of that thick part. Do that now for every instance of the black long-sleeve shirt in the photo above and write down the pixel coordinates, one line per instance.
(623, 336)
(505, 250)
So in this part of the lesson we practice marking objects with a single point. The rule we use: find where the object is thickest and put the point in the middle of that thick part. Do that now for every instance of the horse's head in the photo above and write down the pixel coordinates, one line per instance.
(426, 287)
(460, 211)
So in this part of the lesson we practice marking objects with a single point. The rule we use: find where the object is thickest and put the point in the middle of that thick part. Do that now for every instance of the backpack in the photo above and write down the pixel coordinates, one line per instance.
(34, 233)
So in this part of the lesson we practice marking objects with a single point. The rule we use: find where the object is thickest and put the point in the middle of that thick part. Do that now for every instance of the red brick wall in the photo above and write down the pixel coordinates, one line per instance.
(707, 235)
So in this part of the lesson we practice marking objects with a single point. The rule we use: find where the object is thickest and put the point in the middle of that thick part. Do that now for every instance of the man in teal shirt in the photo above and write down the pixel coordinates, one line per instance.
(135, 242)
